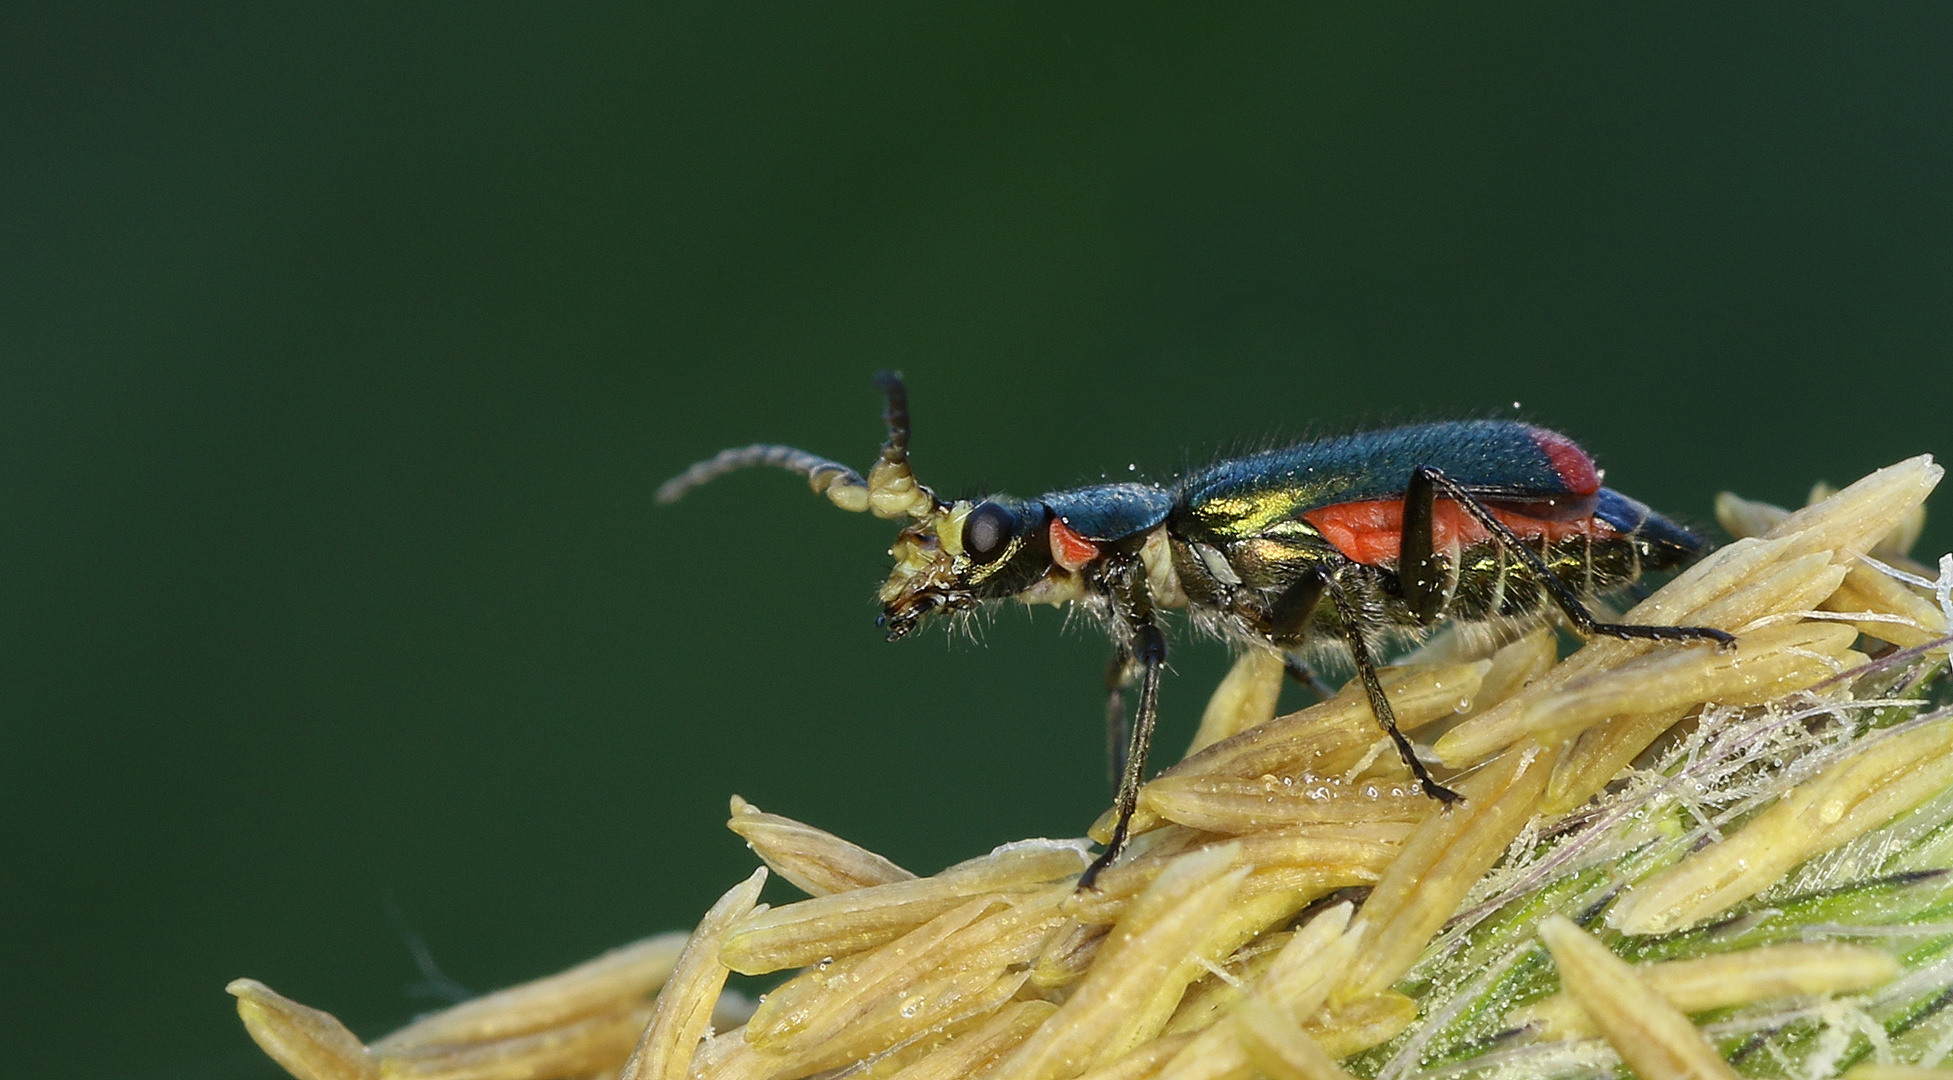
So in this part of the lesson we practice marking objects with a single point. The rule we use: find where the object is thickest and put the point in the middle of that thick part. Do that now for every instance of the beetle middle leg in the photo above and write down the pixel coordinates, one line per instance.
(1288, 628)
(1302, 673)
(1366, 669)
(1149, 650)
(1422, 576)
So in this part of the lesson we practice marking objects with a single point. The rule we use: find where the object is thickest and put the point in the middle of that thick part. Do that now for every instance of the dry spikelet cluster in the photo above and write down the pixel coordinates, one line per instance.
(1689, 861)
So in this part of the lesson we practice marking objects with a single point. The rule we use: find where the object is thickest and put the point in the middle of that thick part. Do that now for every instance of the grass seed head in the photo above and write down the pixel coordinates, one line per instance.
(1758, 842)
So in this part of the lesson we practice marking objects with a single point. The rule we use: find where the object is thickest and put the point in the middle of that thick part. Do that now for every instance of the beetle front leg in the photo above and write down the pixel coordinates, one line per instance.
(1366, 669)
(1118, 675)
(1149, 649)
(1576, 612)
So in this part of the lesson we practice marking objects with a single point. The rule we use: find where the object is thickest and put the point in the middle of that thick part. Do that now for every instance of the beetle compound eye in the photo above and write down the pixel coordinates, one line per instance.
(987, 531)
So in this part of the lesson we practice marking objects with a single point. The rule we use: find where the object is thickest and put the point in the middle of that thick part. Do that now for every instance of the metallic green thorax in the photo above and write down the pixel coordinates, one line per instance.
(1267, 511)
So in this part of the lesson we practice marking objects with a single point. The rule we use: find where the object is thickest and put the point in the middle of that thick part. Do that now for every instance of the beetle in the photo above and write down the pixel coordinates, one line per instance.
(1346, 544)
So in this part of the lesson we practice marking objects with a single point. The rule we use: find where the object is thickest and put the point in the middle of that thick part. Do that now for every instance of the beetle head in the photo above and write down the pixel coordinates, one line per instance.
(950, 557)
(961, 554)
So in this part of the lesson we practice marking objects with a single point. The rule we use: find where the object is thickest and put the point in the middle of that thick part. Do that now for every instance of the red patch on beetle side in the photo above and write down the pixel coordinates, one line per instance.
(1372, 532)
(1068, 549)
(1576, 469)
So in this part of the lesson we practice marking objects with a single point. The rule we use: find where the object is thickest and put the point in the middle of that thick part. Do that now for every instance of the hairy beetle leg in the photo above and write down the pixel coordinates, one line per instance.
(1422, 491)
(1366, 669)
(1631, 631)
(1149, 649)
(1118, 675)
(1302, 673)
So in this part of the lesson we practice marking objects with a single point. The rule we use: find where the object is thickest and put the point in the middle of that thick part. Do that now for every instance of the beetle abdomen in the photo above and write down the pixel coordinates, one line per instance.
(1622, 541)
(1371, 532)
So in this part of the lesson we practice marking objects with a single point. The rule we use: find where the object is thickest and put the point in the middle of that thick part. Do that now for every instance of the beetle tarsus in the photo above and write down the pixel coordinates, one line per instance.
(1634, 631)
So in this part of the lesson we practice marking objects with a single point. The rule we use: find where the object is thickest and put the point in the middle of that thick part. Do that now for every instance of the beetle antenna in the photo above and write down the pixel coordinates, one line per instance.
(838, 482)
(895, 413)
(892, 487)
(890, 491)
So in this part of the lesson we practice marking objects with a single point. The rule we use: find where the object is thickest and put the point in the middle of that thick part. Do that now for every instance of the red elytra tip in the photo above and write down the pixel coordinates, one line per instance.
(1068, 549)
(1576, 469)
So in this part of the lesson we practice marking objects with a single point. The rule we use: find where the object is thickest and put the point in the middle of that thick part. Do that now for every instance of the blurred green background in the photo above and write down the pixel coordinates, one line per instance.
(342, 347)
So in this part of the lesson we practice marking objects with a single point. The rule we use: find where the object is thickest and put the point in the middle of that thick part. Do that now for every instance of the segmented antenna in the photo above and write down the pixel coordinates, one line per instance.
(893, 490)
(890, 490)
(832, 478)
(895, 413)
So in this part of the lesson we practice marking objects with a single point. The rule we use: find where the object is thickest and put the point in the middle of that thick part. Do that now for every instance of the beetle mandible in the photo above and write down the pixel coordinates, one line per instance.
(1345, 542)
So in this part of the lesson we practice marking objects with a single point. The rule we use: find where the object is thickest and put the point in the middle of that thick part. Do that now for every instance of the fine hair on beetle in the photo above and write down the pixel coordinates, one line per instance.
(1351, 545)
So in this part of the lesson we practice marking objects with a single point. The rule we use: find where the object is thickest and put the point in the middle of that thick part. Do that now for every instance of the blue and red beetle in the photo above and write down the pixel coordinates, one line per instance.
(1347, 545)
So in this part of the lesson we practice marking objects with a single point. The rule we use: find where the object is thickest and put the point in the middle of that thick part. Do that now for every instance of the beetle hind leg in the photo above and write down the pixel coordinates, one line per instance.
(1414, 570)
(1422, 574)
